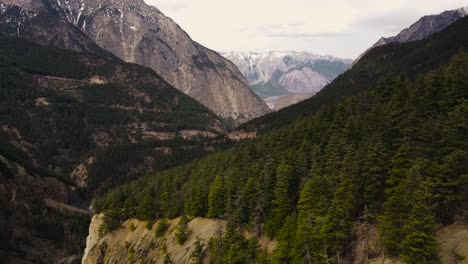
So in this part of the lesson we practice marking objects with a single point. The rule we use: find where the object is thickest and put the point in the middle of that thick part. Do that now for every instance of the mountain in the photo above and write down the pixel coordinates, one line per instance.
(371, 174)
(137, 33)
(394, 58)
(423, 28)
(73, 124)
(275, 76)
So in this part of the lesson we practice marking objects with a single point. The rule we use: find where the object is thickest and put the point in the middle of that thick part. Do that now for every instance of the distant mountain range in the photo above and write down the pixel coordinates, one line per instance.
(284, 78)
(423, 28)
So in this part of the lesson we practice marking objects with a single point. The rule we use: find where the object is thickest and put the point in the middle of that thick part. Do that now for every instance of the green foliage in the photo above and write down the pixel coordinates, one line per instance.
(198, 253)
(216, 204)
(161, 228)
(182, 231)
(110, 222)
(233, 248)
(132, 227)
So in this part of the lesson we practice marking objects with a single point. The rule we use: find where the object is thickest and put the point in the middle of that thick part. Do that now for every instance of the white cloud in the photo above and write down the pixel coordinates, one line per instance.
(338, 27)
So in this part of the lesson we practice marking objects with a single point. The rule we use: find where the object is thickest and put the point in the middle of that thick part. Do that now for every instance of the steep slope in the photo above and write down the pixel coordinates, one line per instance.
(274, 75)
(35, 21)
(408, 59)
(392, 157)
(139, 33)
(423, 28)
(74, 124)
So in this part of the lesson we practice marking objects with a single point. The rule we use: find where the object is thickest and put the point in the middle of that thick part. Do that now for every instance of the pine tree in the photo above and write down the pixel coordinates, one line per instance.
(373, 175)
(396, 207)
(336, 230)
(286, 237)
(419, 244)
(216, 202)
(309, 243)
(282, 201)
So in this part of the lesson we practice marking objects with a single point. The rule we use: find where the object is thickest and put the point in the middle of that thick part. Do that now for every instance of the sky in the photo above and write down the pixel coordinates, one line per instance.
(343, 28)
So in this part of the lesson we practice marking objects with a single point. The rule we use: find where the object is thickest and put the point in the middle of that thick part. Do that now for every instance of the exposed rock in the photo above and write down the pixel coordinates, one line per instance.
(80, 174)
(238, 135)
(123, 245)
(128, 244)
(190, 134)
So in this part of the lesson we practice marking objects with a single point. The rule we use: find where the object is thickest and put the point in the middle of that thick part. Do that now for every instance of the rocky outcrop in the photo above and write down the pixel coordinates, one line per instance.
(137, 33)
(274, 75)
(135, 242)
(423, 28)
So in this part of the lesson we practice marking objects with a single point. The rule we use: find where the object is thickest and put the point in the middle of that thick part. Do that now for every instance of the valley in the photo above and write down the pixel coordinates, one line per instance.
(123, 140)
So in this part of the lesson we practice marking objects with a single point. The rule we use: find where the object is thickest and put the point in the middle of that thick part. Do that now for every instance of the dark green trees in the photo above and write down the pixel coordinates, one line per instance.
(393, 156)
(216, 198)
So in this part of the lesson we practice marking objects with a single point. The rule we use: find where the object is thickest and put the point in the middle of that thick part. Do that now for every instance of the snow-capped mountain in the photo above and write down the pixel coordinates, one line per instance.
(424, 27)
(276, 74)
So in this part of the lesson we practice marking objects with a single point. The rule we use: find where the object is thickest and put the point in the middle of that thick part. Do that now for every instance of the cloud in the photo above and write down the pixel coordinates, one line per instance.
(387, 22)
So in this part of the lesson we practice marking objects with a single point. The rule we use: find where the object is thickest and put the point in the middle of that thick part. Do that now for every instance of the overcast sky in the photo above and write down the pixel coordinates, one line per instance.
(344, 28)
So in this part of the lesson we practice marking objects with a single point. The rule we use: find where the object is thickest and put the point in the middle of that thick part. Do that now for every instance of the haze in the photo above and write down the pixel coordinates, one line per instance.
(336, 27)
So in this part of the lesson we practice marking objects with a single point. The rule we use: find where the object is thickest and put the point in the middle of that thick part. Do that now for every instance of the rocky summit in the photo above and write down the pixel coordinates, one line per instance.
(137, 33)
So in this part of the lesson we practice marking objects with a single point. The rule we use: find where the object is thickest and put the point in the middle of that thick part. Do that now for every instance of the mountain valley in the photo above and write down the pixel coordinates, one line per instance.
(122, 140)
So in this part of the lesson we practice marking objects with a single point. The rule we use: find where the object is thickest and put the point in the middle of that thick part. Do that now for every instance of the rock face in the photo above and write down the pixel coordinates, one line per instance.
(139, 33)
(277, 75)
(423, 28)
(130, 245)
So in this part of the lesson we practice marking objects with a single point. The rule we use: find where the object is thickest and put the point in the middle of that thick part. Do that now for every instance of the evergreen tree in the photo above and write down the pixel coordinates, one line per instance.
(216, 202)
(419, 244)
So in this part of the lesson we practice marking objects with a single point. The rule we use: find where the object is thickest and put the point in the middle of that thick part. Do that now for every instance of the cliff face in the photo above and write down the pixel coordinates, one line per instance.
(138, 33)
(134, 242)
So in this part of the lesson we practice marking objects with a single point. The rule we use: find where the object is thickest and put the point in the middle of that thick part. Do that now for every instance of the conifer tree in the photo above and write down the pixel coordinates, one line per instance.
(216, 202)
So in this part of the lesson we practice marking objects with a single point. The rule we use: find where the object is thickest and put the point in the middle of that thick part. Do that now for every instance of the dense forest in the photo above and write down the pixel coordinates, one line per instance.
(393, 156)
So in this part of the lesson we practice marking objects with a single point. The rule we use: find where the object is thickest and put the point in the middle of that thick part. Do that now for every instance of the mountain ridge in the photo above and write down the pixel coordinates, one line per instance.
(421, 29)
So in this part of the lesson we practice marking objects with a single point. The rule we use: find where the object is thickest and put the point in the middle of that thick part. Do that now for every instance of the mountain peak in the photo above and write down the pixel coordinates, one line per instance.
(421, 29)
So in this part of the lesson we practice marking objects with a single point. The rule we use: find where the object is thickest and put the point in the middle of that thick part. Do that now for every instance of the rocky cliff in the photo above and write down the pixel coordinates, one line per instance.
(135, 241)
(277, 76)
(138, 33)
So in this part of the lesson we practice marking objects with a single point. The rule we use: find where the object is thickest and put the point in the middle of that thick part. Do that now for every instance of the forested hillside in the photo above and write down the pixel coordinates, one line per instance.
(392, 156)
(75, 124)
(409, 59)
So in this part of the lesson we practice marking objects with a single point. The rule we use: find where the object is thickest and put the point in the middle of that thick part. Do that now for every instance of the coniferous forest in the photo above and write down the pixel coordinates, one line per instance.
(393, 156)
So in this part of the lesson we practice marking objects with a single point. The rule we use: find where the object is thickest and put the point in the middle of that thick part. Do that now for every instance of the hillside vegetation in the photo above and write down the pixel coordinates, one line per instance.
(393, 156)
